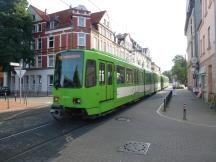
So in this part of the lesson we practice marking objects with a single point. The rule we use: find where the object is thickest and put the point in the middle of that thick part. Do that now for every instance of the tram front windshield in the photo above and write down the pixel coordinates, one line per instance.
(68, 70)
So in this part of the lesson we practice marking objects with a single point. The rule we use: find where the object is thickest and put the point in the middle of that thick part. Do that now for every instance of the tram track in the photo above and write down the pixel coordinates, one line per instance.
(44, 142)
(23, 115)
(25, 131)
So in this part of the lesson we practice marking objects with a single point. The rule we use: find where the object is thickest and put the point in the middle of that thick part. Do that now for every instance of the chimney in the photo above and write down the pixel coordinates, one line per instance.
(45, 11)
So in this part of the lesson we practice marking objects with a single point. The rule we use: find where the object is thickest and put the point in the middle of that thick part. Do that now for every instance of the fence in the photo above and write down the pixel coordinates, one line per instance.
(31, 90)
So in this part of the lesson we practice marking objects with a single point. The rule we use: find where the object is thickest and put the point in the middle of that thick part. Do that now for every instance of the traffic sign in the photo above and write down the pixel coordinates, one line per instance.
(20, 73)
(14, 64)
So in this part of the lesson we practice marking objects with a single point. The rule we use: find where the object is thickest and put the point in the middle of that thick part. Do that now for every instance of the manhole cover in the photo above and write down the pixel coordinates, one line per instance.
(123, 119)
(135, 147)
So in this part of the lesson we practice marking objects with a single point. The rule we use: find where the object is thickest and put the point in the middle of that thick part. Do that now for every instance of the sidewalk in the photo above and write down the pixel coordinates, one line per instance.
(198, 112)
(32, 102)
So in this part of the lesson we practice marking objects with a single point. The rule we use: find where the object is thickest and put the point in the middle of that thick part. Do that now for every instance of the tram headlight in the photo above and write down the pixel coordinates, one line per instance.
(76, 100)
(56, 99)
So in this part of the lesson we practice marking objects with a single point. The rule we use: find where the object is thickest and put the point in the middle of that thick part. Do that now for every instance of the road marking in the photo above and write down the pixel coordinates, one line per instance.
(181, 121)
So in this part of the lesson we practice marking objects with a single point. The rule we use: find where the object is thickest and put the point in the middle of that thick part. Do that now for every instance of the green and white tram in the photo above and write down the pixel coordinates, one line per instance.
(91, 83)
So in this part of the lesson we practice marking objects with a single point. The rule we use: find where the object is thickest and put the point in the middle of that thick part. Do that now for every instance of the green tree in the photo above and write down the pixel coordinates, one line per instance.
(15, 33)
(168, 73)
(180, 69)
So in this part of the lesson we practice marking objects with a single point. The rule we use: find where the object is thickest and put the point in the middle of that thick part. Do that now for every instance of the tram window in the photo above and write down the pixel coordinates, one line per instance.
(102, 74)
(140, 77)
(90, 73)
(120, 74)
(129, 76)
(136, 77)
(109, 74)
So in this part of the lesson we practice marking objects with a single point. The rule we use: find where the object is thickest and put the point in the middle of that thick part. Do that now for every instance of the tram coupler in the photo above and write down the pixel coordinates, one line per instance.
(57, 112)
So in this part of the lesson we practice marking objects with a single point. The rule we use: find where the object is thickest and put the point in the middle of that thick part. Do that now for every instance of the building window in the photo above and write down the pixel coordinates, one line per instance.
(95, 43)
(39, 43)
(200, 45)
(90, 73)
(50, 42)
(39, 61)
(81, 39)
(52, 25)
(209, 37)
(50, 80)
(101, 45)
(205, 5)
(203, 41)
(50, 60)
(81, 21)
(210, 2)
(104, 48)
(26, 80)
(39, 27)
(39, 79)
(33, 17)
(32, 47)
(104, 22)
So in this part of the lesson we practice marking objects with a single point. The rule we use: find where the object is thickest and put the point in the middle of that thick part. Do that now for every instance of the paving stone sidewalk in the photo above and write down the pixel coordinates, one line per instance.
(198, 112)
(32, 102)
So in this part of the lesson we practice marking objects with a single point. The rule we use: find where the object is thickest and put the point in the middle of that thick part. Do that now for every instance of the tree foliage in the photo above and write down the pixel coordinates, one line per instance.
(180, 69)
(168, 73)
(15, 33)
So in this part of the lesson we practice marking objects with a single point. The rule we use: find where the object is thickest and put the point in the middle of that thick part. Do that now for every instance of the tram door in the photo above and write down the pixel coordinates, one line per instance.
(110, 88)
(105, 81)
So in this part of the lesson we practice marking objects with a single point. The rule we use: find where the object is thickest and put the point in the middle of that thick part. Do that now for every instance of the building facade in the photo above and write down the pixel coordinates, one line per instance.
(74, 28)
(67, 29)
(200, 32)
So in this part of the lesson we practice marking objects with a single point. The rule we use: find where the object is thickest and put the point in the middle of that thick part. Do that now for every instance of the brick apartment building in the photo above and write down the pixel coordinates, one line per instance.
(74, 28)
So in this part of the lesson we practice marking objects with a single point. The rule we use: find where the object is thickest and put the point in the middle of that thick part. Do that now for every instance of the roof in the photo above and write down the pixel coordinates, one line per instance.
(62, 18)
(97, 16)
(42, 14)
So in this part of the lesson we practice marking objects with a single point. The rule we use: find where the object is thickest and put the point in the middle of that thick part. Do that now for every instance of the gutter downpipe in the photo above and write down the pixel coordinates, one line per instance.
(214, 56)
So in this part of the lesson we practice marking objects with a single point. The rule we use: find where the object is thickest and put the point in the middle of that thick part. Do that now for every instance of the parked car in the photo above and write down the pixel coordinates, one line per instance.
(4, 90)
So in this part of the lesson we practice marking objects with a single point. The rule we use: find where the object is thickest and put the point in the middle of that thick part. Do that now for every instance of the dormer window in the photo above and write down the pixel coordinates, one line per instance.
(81, 21)
(52, 25)
(33, 17)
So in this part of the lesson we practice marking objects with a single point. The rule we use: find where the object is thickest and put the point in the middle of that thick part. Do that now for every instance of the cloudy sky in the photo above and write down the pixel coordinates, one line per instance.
(158, 25)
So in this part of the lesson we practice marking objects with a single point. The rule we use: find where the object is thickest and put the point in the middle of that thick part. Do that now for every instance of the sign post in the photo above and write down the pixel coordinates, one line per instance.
(19, 73)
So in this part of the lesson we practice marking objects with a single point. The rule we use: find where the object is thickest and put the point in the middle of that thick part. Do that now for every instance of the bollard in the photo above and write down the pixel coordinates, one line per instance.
(5, 95)
(15, 97)
(164, 105)
(8, 103)
(26, 99)
(184, 112)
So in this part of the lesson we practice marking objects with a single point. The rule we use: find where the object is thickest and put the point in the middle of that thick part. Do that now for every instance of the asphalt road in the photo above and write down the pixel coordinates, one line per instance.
(35, 136)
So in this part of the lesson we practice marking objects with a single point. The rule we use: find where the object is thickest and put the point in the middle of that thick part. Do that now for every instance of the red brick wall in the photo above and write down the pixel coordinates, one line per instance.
(68, 40)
